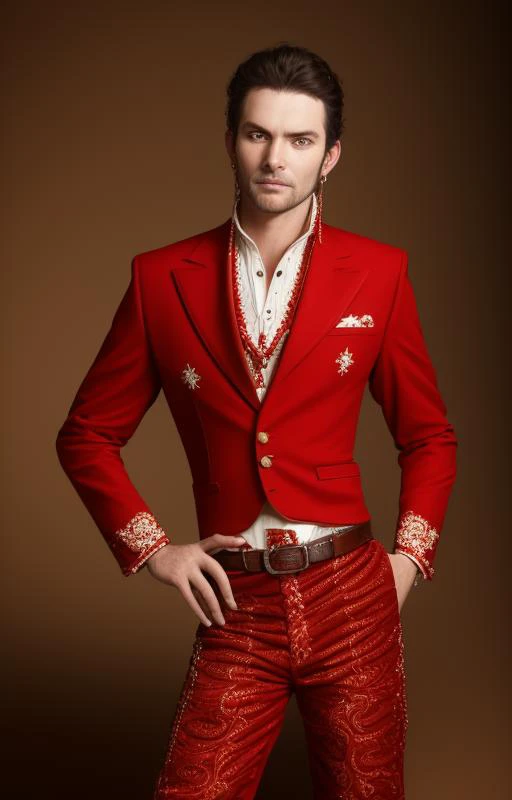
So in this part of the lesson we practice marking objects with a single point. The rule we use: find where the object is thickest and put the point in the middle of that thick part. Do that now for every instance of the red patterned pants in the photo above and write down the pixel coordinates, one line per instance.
(332, 634)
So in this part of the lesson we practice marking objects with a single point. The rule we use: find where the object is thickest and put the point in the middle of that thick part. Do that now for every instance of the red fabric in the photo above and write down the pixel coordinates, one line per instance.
(178, 313)
(332, 635)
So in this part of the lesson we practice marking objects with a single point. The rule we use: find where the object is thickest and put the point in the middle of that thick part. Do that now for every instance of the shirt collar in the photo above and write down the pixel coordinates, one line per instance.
(243, 236)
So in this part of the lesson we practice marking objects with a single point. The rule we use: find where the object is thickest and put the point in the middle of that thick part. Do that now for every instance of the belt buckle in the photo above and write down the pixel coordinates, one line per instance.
(270, 568)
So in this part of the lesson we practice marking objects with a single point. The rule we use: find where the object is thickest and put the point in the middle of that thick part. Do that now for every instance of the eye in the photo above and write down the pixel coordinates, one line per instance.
(253, 134)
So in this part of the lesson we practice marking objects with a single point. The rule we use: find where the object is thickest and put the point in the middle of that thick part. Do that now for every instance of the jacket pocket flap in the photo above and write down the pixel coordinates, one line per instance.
(343, 469)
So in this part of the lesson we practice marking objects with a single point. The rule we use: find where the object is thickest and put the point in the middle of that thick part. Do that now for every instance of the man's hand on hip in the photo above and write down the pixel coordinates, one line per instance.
(180, 565)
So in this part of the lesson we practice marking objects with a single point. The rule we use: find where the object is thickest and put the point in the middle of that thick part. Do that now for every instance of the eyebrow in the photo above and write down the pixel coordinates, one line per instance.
(250, 124)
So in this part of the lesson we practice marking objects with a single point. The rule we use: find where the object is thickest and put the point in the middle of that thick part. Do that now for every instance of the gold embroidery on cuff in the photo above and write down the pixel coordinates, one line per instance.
(416, 534)
(142, 560)
(141, 532)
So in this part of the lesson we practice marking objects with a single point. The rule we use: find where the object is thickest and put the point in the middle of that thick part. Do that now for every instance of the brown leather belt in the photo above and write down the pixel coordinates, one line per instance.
(285, 558)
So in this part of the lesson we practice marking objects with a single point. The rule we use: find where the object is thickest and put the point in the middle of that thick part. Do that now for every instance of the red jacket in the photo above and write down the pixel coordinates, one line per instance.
(175, 329)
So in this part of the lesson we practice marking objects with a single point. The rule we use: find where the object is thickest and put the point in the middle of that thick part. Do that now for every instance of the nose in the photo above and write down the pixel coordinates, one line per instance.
(274, 157)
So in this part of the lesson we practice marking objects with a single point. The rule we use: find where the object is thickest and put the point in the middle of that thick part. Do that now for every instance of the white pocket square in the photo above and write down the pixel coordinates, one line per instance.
(355, 321)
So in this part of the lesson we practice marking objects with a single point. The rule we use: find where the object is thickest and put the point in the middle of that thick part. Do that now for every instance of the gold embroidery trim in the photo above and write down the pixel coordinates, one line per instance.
(416, 535)
(141, 532)
(142, 560)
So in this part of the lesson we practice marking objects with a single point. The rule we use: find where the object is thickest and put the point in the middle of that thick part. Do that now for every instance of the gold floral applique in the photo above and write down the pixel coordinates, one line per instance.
(190, 377)
(344, 360)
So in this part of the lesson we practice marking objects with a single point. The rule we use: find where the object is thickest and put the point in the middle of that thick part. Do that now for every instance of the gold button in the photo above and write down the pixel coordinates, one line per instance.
(266, 461)
(263, 437)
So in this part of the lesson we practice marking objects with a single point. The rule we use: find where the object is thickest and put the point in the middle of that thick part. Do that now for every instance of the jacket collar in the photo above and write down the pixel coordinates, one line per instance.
(204, 284)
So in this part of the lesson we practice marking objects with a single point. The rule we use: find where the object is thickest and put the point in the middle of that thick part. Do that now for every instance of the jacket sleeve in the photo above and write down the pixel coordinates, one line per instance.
(119, 387)
(403, 382)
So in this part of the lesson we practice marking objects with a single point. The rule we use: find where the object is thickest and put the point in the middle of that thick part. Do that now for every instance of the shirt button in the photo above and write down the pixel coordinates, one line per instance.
(263, 437)
(266, 461)
(279, 272)
(259, 273)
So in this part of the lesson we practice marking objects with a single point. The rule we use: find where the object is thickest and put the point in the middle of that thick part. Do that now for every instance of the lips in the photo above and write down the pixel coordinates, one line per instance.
(273, 183)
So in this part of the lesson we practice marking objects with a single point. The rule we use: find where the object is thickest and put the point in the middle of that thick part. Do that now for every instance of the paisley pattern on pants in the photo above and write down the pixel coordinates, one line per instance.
(332, 635)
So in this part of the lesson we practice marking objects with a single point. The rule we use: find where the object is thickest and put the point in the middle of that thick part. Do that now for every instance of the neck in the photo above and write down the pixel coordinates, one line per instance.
(274, 232)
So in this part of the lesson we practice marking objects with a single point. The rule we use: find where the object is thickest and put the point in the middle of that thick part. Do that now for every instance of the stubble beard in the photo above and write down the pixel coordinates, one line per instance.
(283, 200)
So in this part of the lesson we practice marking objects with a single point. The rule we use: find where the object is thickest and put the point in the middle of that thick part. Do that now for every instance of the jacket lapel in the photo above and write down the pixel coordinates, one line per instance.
(331, 283)
(204, 285)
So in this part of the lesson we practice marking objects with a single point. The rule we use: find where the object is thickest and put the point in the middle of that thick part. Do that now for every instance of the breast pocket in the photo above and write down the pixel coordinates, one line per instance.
(353, 331)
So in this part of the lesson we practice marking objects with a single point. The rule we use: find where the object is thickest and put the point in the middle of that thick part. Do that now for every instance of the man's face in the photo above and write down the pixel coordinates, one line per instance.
(281, 137)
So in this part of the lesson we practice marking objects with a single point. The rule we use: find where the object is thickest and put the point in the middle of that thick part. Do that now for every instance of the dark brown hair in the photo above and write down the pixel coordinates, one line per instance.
(294, 69)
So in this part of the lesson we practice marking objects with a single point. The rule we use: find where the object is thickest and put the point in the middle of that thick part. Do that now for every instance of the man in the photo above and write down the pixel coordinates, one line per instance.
(263, 334)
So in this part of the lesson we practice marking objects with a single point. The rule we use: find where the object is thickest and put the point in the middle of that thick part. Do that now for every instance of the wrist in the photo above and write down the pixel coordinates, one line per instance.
(409, 567)
(153, 558)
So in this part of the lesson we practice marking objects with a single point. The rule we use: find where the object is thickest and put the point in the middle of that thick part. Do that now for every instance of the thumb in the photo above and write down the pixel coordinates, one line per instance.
(219, 540)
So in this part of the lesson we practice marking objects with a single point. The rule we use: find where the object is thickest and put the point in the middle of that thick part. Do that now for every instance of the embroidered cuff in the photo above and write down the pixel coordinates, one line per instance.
(417, 539)
(144, 557)
(144, 536)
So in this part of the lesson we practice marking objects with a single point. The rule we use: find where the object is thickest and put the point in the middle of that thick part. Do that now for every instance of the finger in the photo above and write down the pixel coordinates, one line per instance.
(219, 574)
(199, 597)
(194, 605)
(209, 597)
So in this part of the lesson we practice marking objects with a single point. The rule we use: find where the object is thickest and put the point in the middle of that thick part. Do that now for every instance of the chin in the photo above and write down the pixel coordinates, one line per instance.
(269, 203)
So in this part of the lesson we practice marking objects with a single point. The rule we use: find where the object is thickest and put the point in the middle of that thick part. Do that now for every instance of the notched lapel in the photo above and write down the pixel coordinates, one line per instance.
(331, 283)
(204, 284)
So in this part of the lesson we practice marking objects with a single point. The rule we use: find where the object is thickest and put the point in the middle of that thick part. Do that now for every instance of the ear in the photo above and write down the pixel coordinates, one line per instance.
(230, 144)
(332, 157)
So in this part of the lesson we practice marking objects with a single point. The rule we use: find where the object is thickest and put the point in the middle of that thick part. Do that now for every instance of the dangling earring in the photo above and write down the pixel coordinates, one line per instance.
(237, 188)
(320, 206)
(235, 203)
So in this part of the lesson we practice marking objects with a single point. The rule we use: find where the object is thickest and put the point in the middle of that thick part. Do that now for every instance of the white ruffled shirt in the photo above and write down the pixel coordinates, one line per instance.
(263, 312)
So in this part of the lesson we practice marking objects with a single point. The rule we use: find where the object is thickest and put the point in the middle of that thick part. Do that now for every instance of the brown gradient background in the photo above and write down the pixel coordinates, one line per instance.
(113, 145)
